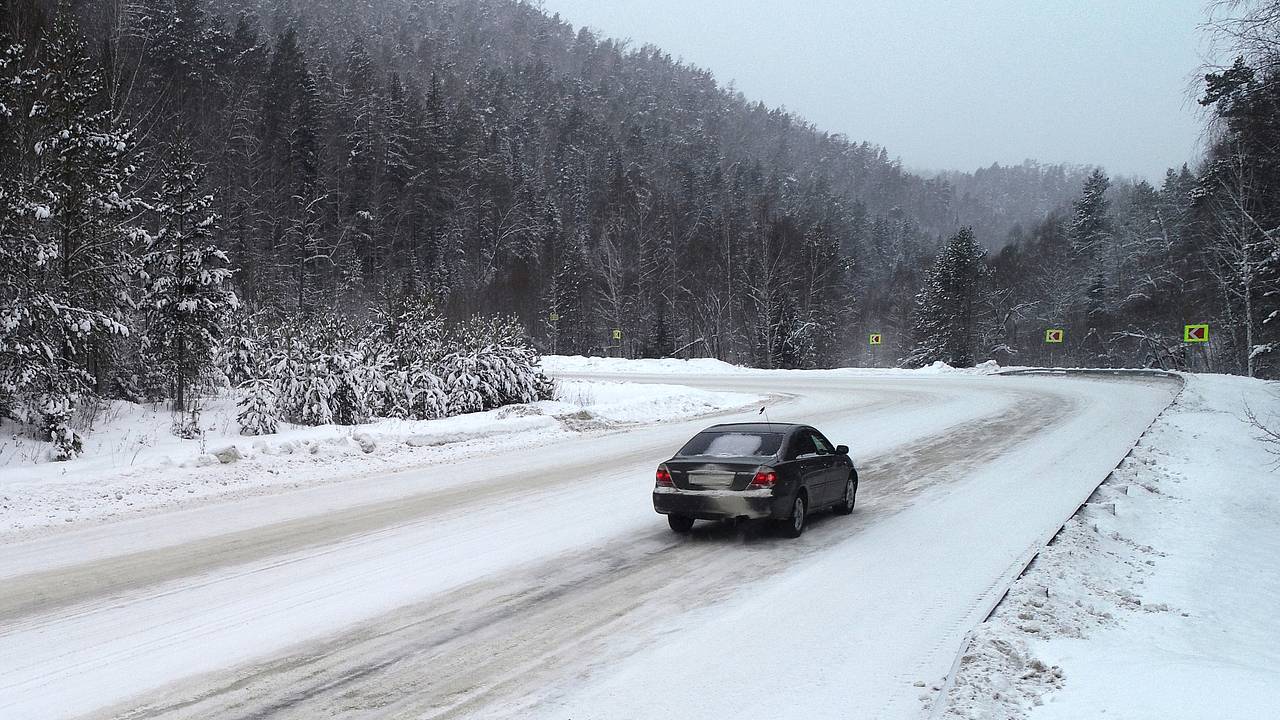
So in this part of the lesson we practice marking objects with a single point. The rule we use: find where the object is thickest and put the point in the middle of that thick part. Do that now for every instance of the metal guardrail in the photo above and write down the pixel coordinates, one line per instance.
(1139, 372)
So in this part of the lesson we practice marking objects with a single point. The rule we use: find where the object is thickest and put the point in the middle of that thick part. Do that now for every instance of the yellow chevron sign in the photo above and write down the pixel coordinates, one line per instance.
(875, 339)
(1195, 333)
(1054, 335)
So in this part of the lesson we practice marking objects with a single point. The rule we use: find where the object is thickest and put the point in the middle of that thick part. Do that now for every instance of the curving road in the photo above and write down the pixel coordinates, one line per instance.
(543, 584)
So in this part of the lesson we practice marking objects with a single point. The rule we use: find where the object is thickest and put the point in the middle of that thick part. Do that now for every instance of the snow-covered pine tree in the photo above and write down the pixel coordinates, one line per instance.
(240, 353)
(22, 352)
(66, 209)
(181, 46)
(349, 397)
(412, 330)
(428, 398)
(307, 394)
(464, 382)
(410, 335)
(504, 364)
(258, 413)
(949, 307)
(1090, 224)
(1092, 239)
(185, 297)
(83, 171)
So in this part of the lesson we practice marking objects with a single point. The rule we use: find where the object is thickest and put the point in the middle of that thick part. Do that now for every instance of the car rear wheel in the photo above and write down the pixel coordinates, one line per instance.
(850, 497)
(793, 526)
(680, 523)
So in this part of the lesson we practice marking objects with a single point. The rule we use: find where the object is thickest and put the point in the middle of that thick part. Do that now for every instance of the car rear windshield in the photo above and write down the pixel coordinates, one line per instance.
(733, 443)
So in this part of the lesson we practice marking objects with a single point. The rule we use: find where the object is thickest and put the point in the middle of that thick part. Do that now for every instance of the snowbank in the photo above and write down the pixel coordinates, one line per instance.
(577, 364)
(1157, 600)
(939, 367)
(132, 463)
(570, 364)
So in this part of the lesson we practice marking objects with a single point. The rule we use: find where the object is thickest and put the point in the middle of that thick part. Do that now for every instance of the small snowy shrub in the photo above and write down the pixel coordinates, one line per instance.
(427, 397)
(239, 358)
(306, 398)
(186, 424)
(346, 403)
(55, 426)
(463, 383)
(257, 414)
(505, 364)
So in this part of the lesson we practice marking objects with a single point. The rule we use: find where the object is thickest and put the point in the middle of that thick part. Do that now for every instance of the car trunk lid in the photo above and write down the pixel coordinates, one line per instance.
(713, 474)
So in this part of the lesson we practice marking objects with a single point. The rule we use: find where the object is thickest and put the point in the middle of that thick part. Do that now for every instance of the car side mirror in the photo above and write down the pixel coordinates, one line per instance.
(842, 449)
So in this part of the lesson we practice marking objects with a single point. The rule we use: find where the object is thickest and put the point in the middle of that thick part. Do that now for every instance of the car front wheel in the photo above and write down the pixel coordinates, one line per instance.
(680, 523)
(793, 526)
(850, 497)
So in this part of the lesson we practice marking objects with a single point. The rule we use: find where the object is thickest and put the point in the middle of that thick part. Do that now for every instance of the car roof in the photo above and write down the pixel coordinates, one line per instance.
(757, 427)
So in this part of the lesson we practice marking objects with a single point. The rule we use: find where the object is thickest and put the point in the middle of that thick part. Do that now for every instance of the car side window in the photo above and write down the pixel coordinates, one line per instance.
(801, 444)
(819, 442)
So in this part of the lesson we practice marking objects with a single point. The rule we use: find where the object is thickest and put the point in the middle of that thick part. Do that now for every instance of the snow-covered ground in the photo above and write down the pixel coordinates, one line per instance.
(133, 464)
(1158, 599)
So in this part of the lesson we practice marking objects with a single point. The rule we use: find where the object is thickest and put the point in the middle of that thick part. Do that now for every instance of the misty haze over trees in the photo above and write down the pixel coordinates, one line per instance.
(198, 192)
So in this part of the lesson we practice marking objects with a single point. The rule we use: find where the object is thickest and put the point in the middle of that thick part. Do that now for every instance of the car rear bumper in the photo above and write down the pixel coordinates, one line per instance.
(719, 504)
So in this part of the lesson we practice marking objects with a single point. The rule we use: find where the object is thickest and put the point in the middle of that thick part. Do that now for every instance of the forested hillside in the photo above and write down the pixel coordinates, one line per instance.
(488, 155)
(198, 175)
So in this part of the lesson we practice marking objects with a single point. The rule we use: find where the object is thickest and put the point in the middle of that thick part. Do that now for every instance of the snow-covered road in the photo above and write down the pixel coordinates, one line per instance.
(541, 583)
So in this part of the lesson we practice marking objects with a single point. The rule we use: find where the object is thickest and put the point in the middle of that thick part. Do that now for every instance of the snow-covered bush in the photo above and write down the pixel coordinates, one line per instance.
(239, 356)
(512, 375)
(464, 381)
(186, 424)
(411, 333)
(427, 396)
(405, 364)
(306, 393)
(55, 426)
(347, 399)
(258, 414)
(505, 362)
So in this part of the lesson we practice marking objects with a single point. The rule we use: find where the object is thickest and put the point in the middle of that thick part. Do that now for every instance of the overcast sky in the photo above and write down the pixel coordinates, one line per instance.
(949, 85)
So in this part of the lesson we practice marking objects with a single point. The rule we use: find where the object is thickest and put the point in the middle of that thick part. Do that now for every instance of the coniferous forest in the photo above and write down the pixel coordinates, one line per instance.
(357, 209)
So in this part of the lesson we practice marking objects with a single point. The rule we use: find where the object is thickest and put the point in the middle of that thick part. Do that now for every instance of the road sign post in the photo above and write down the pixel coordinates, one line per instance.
(1198, 334)
(1054, 337)
(874, 340)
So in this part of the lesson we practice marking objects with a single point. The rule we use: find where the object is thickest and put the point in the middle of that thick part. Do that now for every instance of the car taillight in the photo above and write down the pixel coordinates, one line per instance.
(765, 477)
(664, 476)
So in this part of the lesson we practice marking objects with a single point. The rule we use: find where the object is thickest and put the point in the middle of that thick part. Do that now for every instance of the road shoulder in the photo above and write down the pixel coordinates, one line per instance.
(1157, 598)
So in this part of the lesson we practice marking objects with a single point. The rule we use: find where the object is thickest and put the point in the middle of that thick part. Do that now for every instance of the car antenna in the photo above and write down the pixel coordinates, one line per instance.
(766, 415)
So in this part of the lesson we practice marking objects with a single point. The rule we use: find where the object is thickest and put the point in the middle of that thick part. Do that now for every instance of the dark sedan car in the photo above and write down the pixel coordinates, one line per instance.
(778, 471)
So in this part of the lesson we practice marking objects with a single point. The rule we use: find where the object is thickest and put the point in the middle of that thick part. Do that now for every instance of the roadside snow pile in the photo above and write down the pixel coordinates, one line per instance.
(569, 364)
(625, 402)
(1157, 600)
(939, 367)
(132, 463)
(577, 364)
